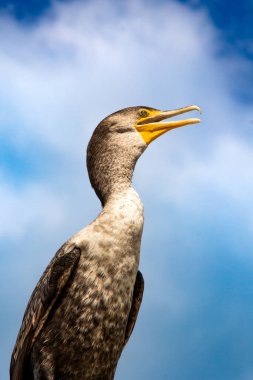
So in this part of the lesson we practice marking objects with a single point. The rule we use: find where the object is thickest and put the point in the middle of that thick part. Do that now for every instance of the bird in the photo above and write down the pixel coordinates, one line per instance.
(85, 305)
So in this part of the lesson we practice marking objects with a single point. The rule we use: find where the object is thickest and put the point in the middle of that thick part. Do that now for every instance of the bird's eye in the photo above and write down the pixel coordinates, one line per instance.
(143, 113)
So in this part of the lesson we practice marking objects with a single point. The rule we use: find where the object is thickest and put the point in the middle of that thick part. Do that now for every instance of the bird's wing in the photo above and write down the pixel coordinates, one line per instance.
(136, 303)
(41, 302)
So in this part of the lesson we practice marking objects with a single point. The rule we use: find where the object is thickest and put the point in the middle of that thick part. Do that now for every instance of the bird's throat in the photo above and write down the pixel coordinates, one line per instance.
(110, 173)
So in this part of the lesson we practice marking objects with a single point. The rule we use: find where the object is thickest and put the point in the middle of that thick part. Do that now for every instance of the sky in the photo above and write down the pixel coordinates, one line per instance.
(65, 65)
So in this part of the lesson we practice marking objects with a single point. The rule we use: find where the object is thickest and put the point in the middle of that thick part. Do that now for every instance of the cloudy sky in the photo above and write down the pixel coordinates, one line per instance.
(64, 65)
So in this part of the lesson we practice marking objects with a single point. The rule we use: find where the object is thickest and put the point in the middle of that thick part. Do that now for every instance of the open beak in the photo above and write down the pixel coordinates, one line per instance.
(150, 127)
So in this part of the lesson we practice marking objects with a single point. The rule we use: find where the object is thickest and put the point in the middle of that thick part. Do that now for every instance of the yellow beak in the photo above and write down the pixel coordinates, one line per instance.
(150, 127)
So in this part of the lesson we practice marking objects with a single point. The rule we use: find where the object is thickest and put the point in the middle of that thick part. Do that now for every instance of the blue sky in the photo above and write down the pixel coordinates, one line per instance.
(63, 67)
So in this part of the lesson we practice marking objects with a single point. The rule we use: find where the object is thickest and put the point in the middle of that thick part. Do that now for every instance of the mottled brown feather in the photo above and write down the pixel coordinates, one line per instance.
(40, 304)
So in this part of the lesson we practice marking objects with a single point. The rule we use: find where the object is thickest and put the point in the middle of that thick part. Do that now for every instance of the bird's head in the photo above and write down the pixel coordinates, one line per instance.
(122, 137)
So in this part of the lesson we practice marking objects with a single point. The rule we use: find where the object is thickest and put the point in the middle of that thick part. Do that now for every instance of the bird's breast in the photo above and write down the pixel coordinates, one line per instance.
(92, 316)
(107, 269)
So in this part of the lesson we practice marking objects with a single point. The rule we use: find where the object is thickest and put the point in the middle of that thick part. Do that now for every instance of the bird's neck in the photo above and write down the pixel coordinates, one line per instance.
(122, 219)
(125, 203)
(111, 173)
(118, 228)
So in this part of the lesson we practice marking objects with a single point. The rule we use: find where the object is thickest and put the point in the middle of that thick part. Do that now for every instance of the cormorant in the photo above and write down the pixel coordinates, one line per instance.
(84, 307)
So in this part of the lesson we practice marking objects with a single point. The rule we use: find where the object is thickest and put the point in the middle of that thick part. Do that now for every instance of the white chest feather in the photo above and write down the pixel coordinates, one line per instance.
(116, 232)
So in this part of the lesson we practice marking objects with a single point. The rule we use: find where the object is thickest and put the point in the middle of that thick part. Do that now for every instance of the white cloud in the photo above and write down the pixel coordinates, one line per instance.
(225, 169)
(28, 207)
(61, 76)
